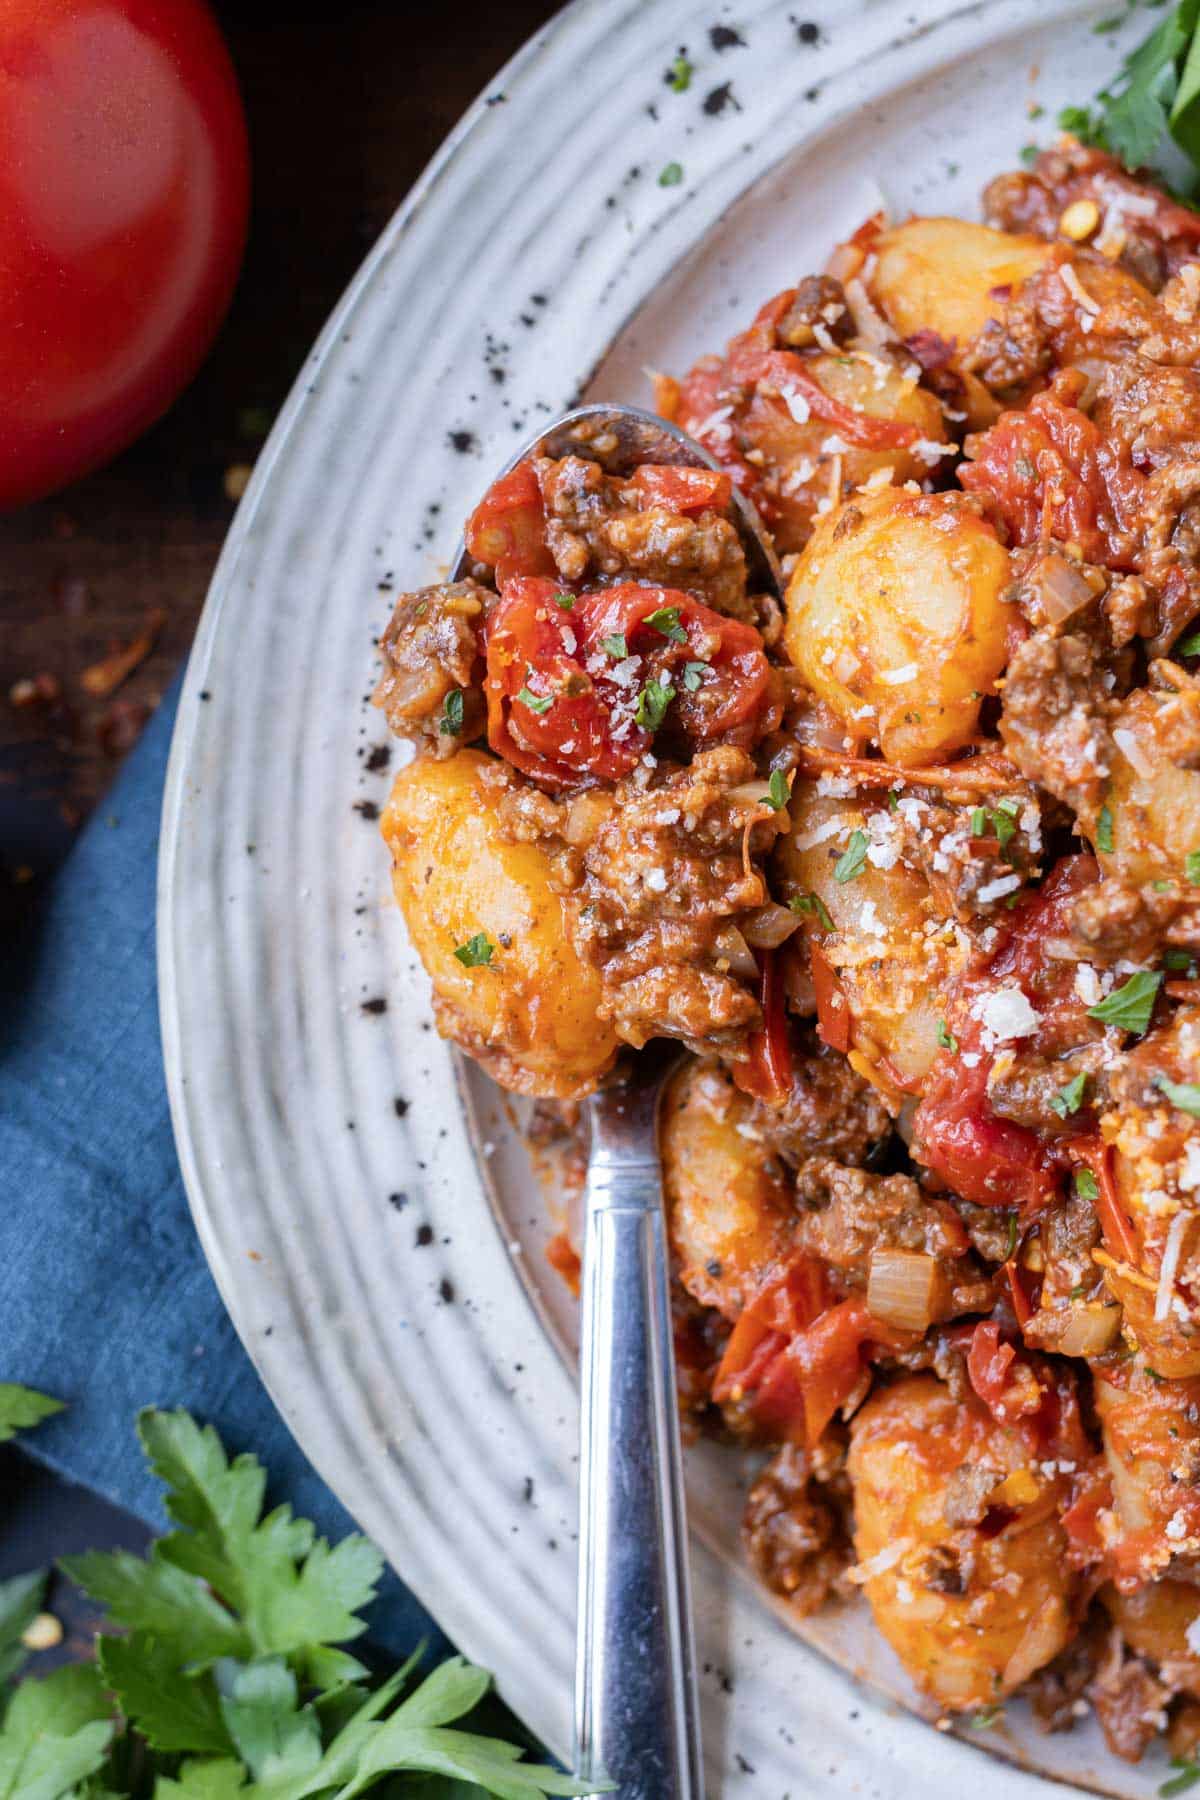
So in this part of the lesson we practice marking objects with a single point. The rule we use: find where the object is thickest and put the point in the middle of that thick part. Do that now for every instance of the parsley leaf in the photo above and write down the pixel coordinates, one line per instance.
(1156, 89)
(477, 952)
(275, 1736)
(156, 1597)
(1085, 1185)
(679, 75)
(1188, 1776)
(1130, 1005)
(1013, 1234)
(672, 175)
(853, 859)
(452, 713)
(1192, 865)
(1188, 646)
(564, 600)
(171, 1709)
(946, 1037)
(55, 1734)
(693, 675)
(666, 622)
(1179, 959)
(615, 647)
(21, 1407)
(812, 903)
(1070, 1098)
(1183, 1094)
(778, 793)
(653, 702)
(537, 703)
(1104, 831)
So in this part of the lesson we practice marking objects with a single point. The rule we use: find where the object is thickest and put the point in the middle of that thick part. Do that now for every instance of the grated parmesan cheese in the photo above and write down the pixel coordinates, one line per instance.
(797, 405)
(1170, 1262)
(994, 890)
(1132, 751)
(897, 677)
(1006, 1013)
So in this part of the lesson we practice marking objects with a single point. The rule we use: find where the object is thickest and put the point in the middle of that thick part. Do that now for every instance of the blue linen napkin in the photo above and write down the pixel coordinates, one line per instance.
(105, 1298)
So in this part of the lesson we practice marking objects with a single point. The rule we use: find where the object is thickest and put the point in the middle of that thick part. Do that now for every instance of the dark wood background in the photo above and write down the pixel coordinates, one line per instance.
(346, 104)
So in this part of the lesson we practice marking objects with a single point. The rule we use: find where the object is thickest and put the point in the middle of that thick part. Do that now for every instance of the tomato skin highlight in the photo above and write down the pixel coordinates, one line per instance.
(682, 489)
(124, 199)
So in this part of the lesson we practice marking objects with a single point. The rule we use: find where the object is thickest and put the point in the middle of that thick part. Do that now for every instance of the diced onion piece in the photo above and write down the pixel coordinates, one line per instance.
(1089, 1331)
(1062, 589)
(730, 944)
(769, 926)
(1041, 1640)
(905, 1288)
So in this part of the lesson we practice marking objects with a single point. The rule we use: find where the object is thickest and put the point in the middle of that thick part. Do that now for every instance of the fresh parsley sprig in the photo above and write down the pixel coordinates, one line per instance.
(1155, 94)
(231, 1682)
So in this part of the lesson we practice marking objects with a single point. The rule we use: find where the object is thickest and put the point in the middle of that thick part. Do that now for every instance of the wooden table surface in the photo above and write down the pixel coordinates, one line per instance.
(346, 104)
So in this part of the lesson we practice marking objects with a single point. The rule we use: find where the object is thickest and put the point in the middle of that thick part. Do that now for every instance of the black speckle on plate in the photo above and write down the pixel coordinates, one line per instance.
(807, 31)
(375, 1006)
(446, 1290)
(716, 102)
(398, 1200)
(724, 37)
(380, 757)
(465, 442)
(424, 1236)
(367, 808)
(401, 1106)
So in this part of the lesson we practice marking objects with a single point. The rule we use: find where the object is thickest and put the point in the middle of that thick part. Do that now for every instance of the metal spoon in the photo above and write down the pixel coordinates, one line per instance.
(636, 1705)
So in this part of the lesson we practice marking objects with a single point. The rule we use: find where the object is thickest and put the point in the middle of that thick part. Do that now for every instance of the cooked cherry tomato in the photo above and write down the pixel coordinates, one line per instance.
(578, 686)
(793, 1358)
(1049, 472)
(507, 530)
(124, 192)
(956, 1132)
(682, 490)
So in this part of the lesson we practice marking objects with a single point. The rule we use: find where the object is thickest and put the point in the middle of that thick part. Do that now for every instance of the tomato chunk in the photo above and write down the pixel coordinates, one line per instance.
(682, 490)
(578, 686)
(956, 1132)
(1050, 473)
(507, 530)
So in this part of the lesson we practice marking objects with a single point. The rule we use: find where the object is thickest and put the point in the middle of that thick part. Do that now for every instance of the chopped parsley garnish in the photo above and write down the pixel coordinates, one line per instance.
(653, 702)
(1189, 646)
(476, 952)
(452, 713)
(778, 793)
(679, 75)
(1130, 1005)
(893, 800)
(693, 675)
(671, 176)
(1070, 1098)
(1028, 154)
(615, 646)
(1001, 818)
(853, 859)
(1085, 1185)
(1183, 1094)
(564, 600)
(1077, 1292)
(1104, 831)
(1188, 1776)
(1011, 1244)
(537, 703)
(666, 622)
(991, 1715)
(1179, 959)
(1192, 865)
(812, 903)
(946, 1037)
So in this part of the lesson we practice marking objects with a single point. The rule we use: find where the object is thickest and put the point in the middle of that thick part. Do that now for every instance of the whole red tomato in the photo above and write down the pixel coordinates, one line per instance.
(124, 192)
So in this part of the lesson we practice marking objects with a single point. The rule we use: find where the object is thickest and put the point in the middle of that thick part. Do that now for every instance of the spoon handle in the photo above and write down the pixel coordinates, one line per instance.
(636, 1716)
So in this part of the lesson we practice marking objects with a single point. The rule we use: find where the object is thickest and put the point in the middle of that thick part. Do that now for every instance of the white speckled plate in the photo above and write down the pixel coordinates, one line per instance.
(418, 1342)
